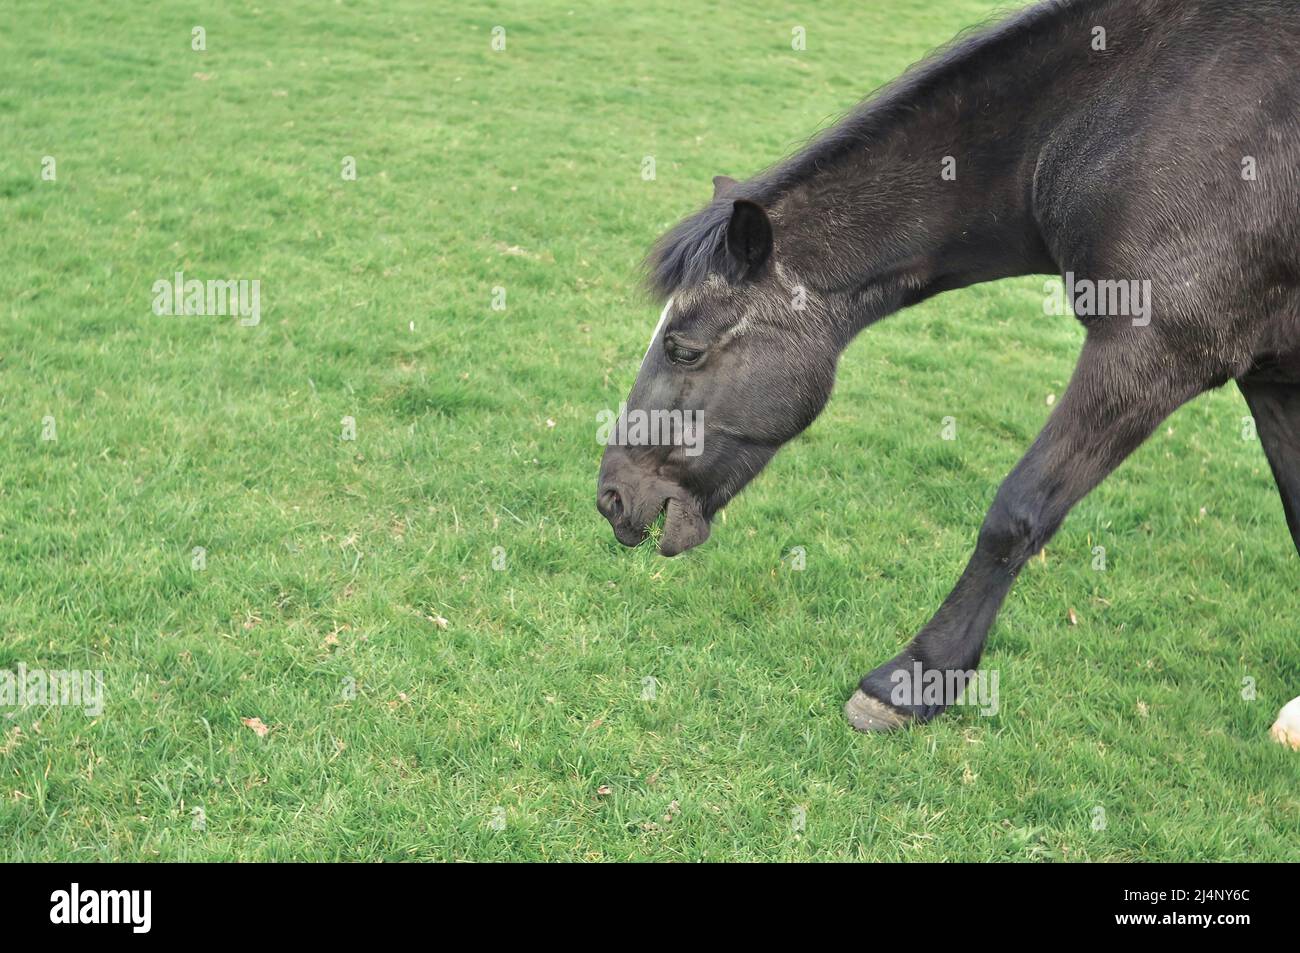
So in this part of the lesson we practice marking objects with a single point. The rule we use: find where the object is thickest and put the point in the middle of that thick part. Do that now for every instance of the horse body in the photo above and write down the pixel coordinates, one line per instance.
(1151, 145)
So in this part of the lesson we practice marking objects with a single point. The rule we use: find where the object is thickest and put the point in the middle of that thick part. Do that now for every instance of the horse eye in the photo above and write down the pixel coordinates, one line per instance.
(683, 355)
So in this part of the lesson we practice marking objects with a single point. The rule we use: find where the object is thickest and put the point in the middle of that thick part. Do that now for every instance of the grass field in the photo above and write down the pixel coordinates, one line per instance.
(449, 648)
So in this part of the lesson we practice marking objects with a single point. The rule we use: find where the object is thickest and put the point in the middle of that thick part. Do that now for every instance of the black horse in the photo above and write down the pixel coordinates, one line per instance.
(1147, 150)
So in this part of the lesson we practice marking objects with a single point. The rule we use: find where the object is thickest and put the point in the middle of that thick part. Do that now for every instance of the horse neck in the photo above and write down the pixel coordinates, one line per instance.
(931, 187)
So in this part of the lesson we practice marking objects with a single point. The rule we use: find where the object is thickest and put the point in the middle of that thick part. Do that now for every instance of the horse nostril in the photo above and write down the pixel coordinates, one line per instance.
(611, 504)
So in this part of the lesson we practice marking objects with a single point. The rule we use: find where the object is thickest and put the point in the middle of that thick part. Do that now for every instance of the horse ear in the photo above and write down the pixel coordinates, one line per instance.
(749, 236)
(722, 184)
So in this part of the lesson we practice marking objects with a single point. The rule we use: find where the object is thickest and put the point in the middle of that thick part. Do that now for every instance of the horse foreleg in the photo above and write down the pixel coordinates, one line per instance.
(1276, 407)
(1120, 392)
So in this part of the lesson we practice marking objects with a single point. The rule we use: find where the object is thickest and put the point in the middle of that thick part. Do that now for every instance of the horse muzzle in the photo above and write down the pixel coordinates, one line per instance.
(631, 501)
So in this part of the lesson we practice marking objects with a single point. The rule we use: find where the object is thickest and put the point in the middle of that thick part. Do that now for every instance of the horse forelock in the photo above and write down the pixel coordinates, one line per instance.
(691, 251)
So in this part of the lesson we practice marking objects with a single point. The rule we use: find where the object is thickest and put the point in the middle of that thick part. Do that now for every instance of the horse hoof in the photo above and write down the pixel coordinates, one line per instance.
(1286, 730)
(866, 714)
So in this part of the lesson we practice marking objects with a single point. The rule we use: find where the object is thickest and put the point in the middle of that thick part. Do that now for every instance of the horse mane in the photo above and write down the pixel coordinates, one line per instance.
(696, 246)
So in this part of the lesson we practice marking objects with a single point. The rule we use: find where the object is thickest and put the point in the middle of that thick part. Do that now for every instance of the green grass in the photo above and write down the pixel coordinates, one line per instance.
(330, 560)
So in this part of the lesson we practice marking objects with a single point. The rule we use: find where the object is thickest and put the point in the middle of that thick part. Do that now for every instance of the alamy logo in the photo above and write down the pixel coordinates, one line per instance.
(652, 428)
(213, 298)
(134, 907)
(935, 688)
(38, 686)
(1105, 298)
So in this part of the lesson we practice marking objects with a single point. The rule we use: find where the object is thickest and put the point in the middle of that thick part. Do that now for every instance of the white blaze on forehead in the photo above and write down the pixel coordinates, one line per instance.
(658, 327)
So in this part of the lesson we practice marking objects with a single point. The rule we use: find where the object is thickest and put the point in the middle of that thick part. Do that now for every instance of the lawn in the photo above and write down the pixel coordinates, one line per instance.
(451, 655)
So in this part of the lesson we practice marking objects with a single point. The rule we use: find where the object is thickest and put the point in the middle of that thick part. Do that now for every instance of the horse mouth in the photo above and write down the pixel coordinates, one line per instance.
(632, 494)
(685, 526)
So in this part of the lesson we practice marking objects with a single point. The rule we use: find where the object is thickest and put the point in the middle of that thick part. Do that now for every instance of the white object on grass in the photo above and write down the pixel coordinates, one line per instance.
(1286, 729)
